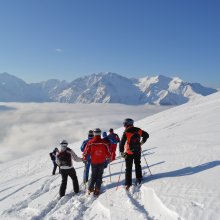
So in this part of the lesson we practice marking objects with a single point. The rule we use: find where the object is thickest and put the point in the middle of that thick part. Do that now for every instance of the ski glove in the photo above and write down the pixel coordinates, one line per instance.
(108, 160)
(124, 155)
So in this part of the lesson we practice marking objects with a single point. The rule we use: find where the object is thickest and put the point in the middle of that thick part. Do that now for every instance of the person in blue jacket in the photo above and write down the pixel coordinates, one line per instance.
(88, 163)
(109, 142)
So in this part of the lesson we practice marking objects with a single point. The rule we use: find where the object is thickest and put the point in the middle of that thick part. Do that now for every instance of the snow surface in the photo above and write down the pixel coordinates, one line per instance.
(182, 153)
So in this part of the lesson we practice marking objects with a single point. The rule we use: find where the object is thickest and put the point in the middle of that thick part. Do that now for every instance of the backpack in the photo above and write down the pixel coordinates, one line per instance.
(52, 156)
(65, 158)
(134, 143)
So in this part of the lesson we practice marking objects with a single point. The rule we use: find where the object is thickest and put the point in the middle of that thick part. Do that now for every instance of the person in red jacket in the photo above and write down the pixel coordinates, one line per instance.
(99, 152)
(115, 140)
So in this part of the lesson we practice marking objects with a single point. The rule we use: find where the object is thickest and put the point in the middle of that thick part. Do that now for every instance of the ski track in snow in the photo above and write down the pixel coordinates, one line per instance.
(18, 189)
(45, 187)
(82, 206)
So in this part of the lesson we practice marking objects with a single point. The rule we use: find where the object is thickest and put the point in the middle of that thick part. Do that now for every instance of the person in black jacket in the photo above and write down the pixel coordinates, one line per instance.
(53, 158)
(64, 160)
(130, 147)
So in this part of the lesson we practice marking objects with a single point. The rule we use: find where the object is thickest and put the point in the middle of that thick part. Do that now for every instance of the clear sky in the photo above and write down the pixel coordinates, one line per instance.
(66, 39)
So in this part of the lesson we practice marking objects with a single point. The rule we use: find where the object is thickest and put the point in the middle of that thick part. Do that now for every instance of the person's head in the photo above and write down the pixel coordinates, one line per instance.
(111, 130)
(97, 132)
(63, 144)
(104, 134)
(56, 149)
(90, 134)
(128, 122)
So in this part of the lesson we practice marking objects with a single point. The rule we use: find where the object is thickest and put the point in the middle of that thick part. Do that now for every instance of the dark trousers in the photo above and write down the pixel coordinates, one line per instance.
(138, 170)
(96, 177)
(86, 171)
(65, 173)
(55, 168)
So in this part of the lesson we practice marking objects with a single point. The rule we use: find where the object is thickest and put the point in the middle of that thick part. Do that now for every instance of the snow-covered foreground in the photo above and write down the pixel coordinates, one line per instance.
(182, 153)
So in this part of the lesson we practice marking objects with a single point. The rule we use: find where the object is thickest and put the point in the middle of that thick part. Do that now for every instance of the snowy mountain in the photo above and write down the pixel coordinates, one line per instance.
(13, 89)
(103, 88)
(183, 156)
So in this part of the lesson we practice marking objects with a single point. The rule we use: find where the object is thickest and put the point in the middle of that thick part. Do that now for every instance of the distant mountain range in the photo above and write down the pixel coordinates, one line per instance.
(103, 88)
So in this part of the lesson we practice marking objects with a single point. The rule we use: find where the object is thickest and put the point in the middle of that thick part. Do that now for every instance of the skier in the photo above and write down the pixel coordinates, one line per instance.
(133, 138)
(109, 142)
(98, 149)
(64, 160)
(88, 162)
(115, 140)
(53, 158)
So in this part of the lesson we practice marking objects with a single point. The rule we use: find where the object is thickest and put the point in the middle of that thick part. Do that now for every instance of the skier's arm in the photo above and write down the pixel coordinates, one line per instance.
(57, 160)
(75, 157)
(83, 146)
(107, 152)
(86, 151)
(50, 156)
(118, 138)
(122, 142)
(144, 136)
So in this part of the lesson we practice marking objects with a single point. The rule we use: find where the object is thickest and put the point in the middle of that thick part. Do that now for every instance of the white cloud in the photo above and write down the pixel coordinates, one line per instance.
(58, 50)
(25, 128)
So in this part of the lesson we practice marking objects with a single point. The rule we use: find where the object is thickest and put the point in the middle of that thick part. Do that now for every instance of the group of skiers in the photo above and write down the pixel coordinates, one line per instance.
(98, 152)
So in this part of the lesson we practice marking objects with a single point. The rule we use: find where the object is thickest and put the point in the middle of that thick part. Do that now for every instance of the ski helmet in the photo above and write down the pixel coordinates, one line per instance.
(128, 121)
(64, 143)
(104, 134)
(97, 131)
(90, 133)
(111, 130)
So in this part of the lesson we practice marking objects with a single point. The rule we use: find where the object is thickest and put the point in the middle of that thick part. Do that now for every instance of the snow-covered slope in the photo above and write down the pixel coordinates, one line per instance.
(182, 153)
(105, 88)
(13, 89)
(170, 91)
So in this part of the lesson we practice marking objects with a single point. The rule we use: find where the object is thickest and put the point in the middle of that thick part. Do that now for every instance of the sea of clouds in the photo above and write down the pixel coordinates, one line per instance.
(27, 127)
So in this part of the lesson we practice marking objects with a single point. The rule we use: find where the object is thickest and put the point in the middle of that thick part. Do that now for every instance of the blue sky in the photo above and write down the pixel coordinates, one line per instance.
(66, 39)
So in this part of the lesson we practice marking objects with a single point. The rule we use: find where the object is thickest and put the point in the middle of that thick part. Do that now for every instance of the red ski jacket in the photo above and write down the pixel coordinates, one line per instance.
(98, 150)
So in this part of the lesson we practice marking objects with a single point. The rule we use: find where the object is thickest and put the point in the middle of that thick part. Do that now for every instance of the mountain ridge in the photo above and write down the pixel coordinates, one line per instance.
(103, 87)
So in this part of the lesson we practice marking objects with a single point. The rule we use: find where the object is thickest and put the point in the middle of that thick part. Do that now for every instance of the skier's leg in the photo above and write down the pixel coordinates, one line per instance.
(138, 169)
(128, 170)
(93, 177)
(87, 171)
(63, 183)
(113, 151)
(54, 168)
(99, 177)
(72, 174)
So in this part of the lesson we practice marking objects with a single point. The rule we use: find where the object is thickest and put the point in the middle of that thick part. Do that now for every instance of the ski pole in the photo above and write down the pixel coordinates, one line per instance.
(120, 174)
(110, 176)
(146, 162)
(84, 175)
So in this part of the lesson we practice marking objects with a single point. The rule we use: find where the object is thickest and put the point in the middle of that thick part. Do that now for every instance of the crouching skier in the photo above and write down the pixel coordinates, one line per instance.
(64, 160)
(53, 158)
(98, 150)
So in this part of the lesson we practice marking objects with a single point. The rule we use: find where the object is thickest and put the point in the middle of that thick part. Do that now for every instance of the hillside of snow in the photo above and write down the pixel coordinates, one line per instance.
(183, 156)
(103, 88)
